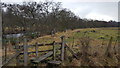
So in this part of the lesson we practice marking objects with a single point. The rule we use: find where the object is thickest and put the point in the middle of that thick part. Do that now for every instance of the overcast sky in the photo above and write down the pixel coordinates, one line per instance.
(90, 9)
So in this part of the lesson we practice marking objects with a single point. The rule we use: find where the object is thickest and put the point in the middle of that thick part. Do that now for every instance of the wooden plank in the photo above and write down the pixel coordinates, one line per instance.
(49, 44)
(43, 57)
(54, 62)
(71, 52)
(38, 51)
(59, 48)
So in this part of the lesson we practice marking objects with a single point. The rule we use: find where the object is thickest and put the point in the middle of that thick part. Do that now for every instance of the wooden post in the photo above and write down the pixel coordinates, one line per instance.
(115, 50)
(118, 52)
(73, 42)
(1, 34)
(17, 51)
(17, 57)
(107, 53)
(65, 53)
(54, 51)
(5, 52)
(25, 52)
(63, 47)
(36, 48)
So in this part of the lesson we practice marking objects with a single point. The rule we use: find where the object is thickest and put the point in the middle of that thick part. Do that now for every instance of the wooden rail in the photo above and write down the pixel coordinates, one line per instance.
(38, 51)
(13, 57)
(49, 44)
(37, 60)
(41, 51)
(71, 51)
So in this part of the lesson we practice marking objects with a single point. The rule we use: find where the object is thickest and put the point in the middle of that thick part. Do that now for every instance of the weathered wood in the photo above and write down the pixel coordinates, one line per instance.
(59, 48)
(17, 54)
(1, 34)
(54, 62)
(36, 48)
(25, 52)
(49, 44)
(107, 53)
(17, 51)
(62, 46)
(54, 51)
(73, 42)
(37, 60)
(5, 52)
(71, 52)
(35, 51)
(65, 53)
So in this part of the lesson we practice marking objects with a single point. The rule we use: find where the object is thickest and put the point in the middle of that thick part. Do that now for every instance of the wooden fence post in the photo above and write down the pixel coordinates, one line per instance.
(25, 52)
(54, 51)
(73, 42)
(63, 48)
(108, 50)
(36, 48)
(65, 53)
(17, 51)
(5, 52)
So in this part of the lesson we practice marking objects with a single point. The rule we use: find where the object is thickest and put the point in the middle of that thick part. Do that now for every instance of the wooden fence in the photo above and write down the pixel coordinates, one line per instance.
(23, 50)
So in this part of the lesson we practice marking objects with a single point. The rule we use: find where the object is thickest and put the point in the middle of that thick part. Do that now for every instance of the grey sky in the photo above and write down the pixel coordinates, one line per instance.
(94, 9)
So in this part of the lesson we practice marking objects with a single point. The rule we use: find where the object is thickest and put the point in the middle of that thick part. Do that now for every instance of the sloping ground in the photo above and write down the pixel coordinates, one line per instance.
(99, 37)
(97, 47)
(97, 34)
(99, 40)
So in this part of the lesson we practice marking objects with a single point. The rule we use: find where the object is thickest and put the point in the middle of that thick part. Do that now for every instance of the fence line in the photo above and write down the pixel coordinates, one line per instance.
(23, 50)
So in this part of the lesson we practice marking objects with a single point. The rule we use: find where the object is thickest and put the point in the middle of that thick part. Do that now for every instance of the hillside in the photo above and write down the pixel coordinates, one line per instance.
(99, 39)
(97, 34)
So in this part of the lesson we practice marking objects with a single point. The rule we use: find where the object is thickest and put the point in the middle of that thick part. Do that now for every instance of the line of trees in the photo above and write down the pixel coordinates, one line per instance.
(44, 17)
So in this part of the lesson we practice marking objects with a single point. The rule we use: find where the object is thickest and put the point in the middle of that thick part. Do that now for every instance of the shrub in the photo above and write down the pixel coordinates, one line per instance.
(93, 31)
(101, 37)
(85, 43)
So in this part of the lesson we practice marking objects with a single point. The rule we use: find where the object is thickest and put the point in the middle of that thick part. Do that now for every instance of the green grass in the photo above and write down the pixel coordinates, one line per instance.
(73, 36)
(96, 34)
(99, 34)
(105, 33)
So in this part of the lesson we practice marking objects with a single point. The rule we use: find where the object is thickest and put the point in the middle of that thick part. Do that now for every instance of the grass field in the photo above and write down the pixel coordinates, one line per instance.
(97, 34)
(99, 40)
